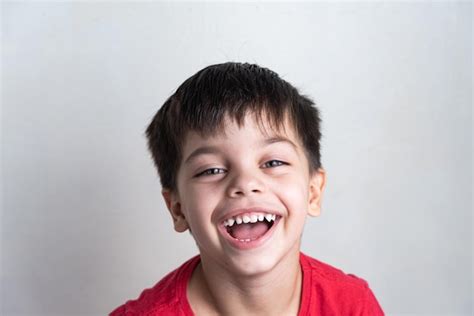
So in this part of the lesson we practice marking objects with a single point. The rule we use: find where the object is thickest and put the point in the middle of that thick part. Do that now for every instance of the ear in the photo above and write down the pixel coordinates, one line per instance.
(317, 183)
(174, 207)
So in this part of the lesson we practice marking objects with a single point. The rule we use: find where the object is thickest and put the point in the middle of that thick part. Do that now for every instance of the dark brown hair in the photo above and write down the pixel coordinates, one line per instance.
(230, 89)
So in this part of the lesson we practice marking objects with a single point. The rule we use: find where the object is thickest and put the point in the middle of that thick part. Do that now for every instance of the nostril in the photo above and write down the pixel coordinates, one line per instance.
(241, 192)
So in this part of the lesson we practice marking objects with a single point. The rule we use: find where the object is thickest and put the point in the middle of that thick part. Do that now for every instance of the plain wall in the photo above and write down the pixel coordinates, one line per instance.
(83, 224)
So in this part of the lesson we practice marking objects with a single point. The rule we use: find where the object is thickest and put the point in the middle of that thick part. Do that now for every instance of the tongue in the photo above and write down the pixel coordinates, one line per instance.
(249, 231)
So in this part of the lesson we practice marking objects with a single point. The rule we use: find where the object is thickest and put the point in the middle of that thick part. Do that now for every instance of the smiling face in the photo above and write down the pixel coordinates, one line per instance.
(245, 172)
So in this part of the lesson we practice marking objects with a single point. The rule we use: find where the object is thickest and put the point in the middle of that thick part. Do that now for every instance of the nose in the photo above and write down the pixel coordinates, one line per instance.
(245, 183)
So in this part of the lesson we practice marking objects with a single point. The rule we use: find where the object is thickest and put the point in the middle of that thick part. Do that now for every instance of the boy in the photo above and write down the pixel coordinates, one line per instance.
(238, 155)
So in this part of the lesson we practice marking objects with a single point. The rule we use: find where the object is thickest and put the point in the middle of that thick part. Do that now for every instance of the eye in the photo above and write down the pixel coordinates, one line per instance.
(274, 163)
(210, 172)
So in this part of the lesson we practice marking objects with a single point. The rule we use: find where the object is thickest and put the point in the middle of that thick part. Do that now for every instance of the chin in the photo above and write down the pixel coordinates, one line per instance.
(255, 264)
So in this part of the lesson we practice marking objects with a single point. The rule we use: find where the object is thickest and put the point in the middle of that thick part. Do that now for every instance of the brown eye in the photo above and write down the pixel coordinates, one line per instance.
(210, 172)
(274, 163)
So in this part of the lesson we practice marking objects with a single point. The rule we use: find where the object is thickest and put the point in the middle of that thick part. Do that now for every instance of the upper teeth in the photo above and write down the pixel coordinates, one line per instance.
(249, 218)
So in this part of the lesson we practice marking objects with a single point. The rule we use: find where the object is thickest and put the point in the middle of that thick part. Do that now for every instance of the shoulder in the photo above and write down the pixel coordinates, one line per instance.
(336, 291)
(163, 297)
(329, 273)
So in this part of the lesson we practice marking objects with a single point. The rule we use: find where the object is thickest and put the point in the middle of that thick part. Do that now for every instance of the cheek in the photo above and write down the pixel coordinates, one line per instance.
(198, 204)
(295, 198)
(293, 189)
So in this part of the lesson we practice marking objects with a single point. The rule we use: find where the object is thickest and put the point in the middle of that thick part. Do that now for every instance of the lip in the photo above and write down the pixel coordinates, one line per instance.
(247, 245)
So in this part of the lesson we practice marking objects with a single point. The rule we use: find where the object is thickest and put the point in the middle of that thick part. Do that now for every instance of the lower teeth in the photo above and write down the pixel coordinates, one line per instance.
(246, 240)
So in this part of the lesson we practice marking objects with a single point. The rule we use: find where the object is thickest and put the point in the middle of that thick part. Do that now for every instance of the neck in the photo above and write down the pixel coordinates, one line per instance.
(215, 290)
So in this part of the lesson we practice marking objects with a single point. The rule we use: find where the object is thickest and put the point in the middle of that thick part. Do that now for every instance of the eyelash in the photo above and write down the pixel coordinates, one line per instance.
(209, 172)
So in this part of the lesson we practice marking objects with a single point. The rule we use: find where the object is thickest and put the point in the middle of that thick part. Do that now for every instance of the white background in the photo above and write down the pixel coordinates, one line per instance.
(83, 224)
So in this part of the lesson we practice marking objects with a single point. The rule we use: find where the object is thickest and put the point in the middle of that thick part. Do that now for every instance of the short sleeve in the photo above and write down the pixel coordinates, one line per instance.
(119, 311)
(371, 306)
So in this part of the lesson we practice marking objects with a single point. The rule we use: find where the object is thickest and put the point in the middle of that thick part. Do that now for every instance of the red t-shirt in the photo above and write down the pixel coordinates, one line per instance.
(327, 291)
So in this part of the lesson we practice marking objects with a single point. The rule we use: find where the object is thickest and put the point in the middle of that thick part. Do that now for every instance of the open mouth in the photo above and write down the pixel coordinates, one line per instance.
(248, 228)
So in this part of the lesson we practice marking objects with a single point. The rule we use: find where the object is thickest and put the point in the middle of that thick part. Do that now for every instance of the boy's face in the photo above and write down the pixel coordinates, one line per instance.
(245, 170)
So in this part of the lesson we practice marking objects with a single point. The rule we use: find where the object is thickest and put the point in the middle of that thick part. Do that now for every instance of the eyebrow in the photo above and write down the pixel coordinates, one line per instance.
(215, 150)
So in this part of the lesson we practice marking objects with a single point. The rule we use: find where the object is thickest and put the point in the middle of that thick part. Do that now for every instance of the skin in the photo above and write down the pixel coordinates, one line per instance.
(242, 173)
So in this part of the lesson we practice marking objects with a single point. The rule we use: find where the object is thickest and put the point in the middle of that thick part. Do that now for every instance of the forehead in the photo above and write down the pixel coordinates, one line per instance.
(254, 131)
(257, 126)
